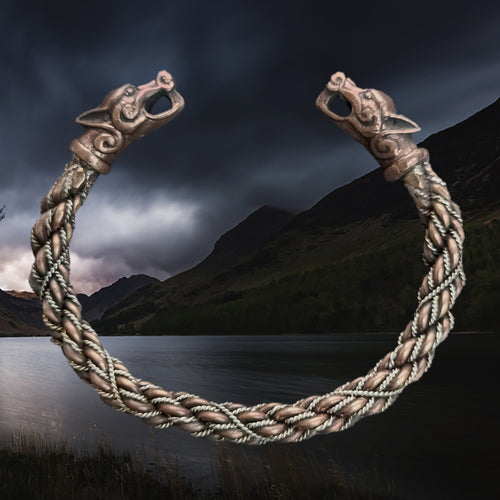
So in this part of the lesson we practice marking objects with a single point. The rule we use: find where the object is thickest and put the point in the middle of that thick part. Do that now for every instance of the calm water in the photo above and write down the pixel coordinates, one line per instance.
(439, 440)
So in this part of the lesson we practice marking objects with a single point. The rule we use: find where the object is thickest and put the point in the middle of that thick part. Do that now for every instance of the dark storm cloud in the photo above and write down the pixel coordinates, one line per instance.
(249, 135)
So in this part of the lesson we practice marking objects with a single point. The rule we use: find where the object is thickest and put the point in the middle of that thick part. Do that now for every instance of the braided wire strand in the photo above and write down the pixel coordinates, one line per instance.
(266, 422)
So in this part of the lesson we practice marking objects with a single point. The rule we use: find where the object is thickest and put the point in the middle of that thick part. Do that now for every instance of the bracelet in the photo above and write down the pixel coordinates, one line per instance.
(126, 115)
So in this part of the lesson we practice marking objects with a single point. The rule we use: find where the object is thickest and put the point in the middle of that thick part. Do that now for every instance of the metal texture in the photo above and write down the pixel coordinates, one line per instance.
(374, 123)
(125, 115)
(371, 122)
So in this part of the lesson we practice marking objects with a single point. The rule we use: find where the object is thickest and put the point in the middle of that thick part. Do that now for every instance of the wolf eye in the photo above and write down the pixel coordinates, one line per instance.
(129, 111)
(130, 91)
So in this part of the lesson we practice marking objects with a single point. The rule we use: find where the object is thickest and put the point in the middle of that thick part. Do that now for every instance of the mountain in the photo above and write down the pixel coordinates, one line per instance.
(21, 312)
(229, 250)
(20, 315)
(245, 238)
(94, 306)
(350, 263)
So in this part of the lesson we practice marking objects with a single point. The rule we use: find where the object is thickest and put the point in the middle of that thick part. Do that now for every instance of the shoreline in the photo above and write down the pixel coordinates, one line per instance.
(39, 465)
(374, 334)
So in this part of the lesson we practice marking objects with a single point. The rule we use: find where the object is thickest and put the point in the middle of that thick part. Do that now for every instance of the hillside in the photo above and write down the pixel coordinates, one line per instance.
(349, 263)
(21, 312)
(94, 306)
(20, 315)
(232, 248)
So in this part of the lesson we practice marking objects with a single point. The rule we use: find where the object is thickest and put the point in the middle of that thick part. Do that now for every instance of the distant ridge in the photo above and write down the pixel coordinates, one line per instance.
(232, 247)
(457, 153)
(21, 312)
(246, 237)
(94, 305)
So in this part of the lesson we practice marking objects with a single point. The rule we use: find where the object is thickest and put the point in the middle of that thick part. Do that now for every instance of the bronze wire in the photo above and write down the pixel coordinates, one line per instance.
(126, 115)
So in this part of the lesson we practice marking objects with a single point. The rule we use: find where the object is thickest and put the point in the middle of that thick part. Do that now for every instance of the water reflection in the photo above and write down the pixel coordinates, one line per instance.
(432, 426)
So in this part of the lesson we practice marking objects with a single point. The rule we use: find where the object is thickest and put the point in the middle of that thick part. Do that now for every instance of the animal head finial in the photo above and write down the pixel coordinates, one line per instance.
(125, 115)
(373, 122)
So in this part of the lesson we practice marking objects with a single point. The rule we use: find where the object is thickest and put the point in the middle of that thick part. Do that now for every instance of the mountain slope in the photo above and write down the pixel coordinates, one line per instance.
(245, 238)
(21, 312)
(94, 306)
(368, 224)
(230, 249)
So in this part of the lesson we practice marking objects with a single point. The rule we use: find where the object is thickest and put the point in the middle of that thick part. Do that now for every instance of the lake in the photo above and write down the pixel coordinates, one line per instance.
(440, 439)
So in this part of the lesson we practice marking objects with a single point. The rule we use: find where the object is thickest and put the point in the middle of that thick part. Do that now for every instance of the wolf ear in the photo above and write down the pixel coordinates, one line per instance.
(399, 123)
(94, 118)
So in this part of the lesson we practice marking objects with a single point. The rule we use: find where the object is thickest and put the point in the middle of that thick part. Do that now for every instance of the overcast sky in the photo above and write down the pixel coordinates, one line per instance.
(249, 135)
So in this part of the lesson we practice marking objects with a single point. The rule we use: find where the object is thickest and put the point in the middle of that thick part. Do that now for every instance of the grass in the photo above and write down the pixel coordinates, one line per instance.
(34, 465)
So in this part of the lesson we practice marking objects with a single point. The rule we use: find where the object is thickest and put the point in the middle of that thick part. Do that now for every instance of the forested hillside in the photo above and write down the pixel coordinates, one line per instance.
(350, 263)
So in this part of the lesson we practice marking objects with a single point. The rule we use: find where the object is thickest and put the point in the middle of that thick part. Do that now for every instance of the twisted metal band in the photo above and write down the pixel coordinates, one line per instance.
(267, 422)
